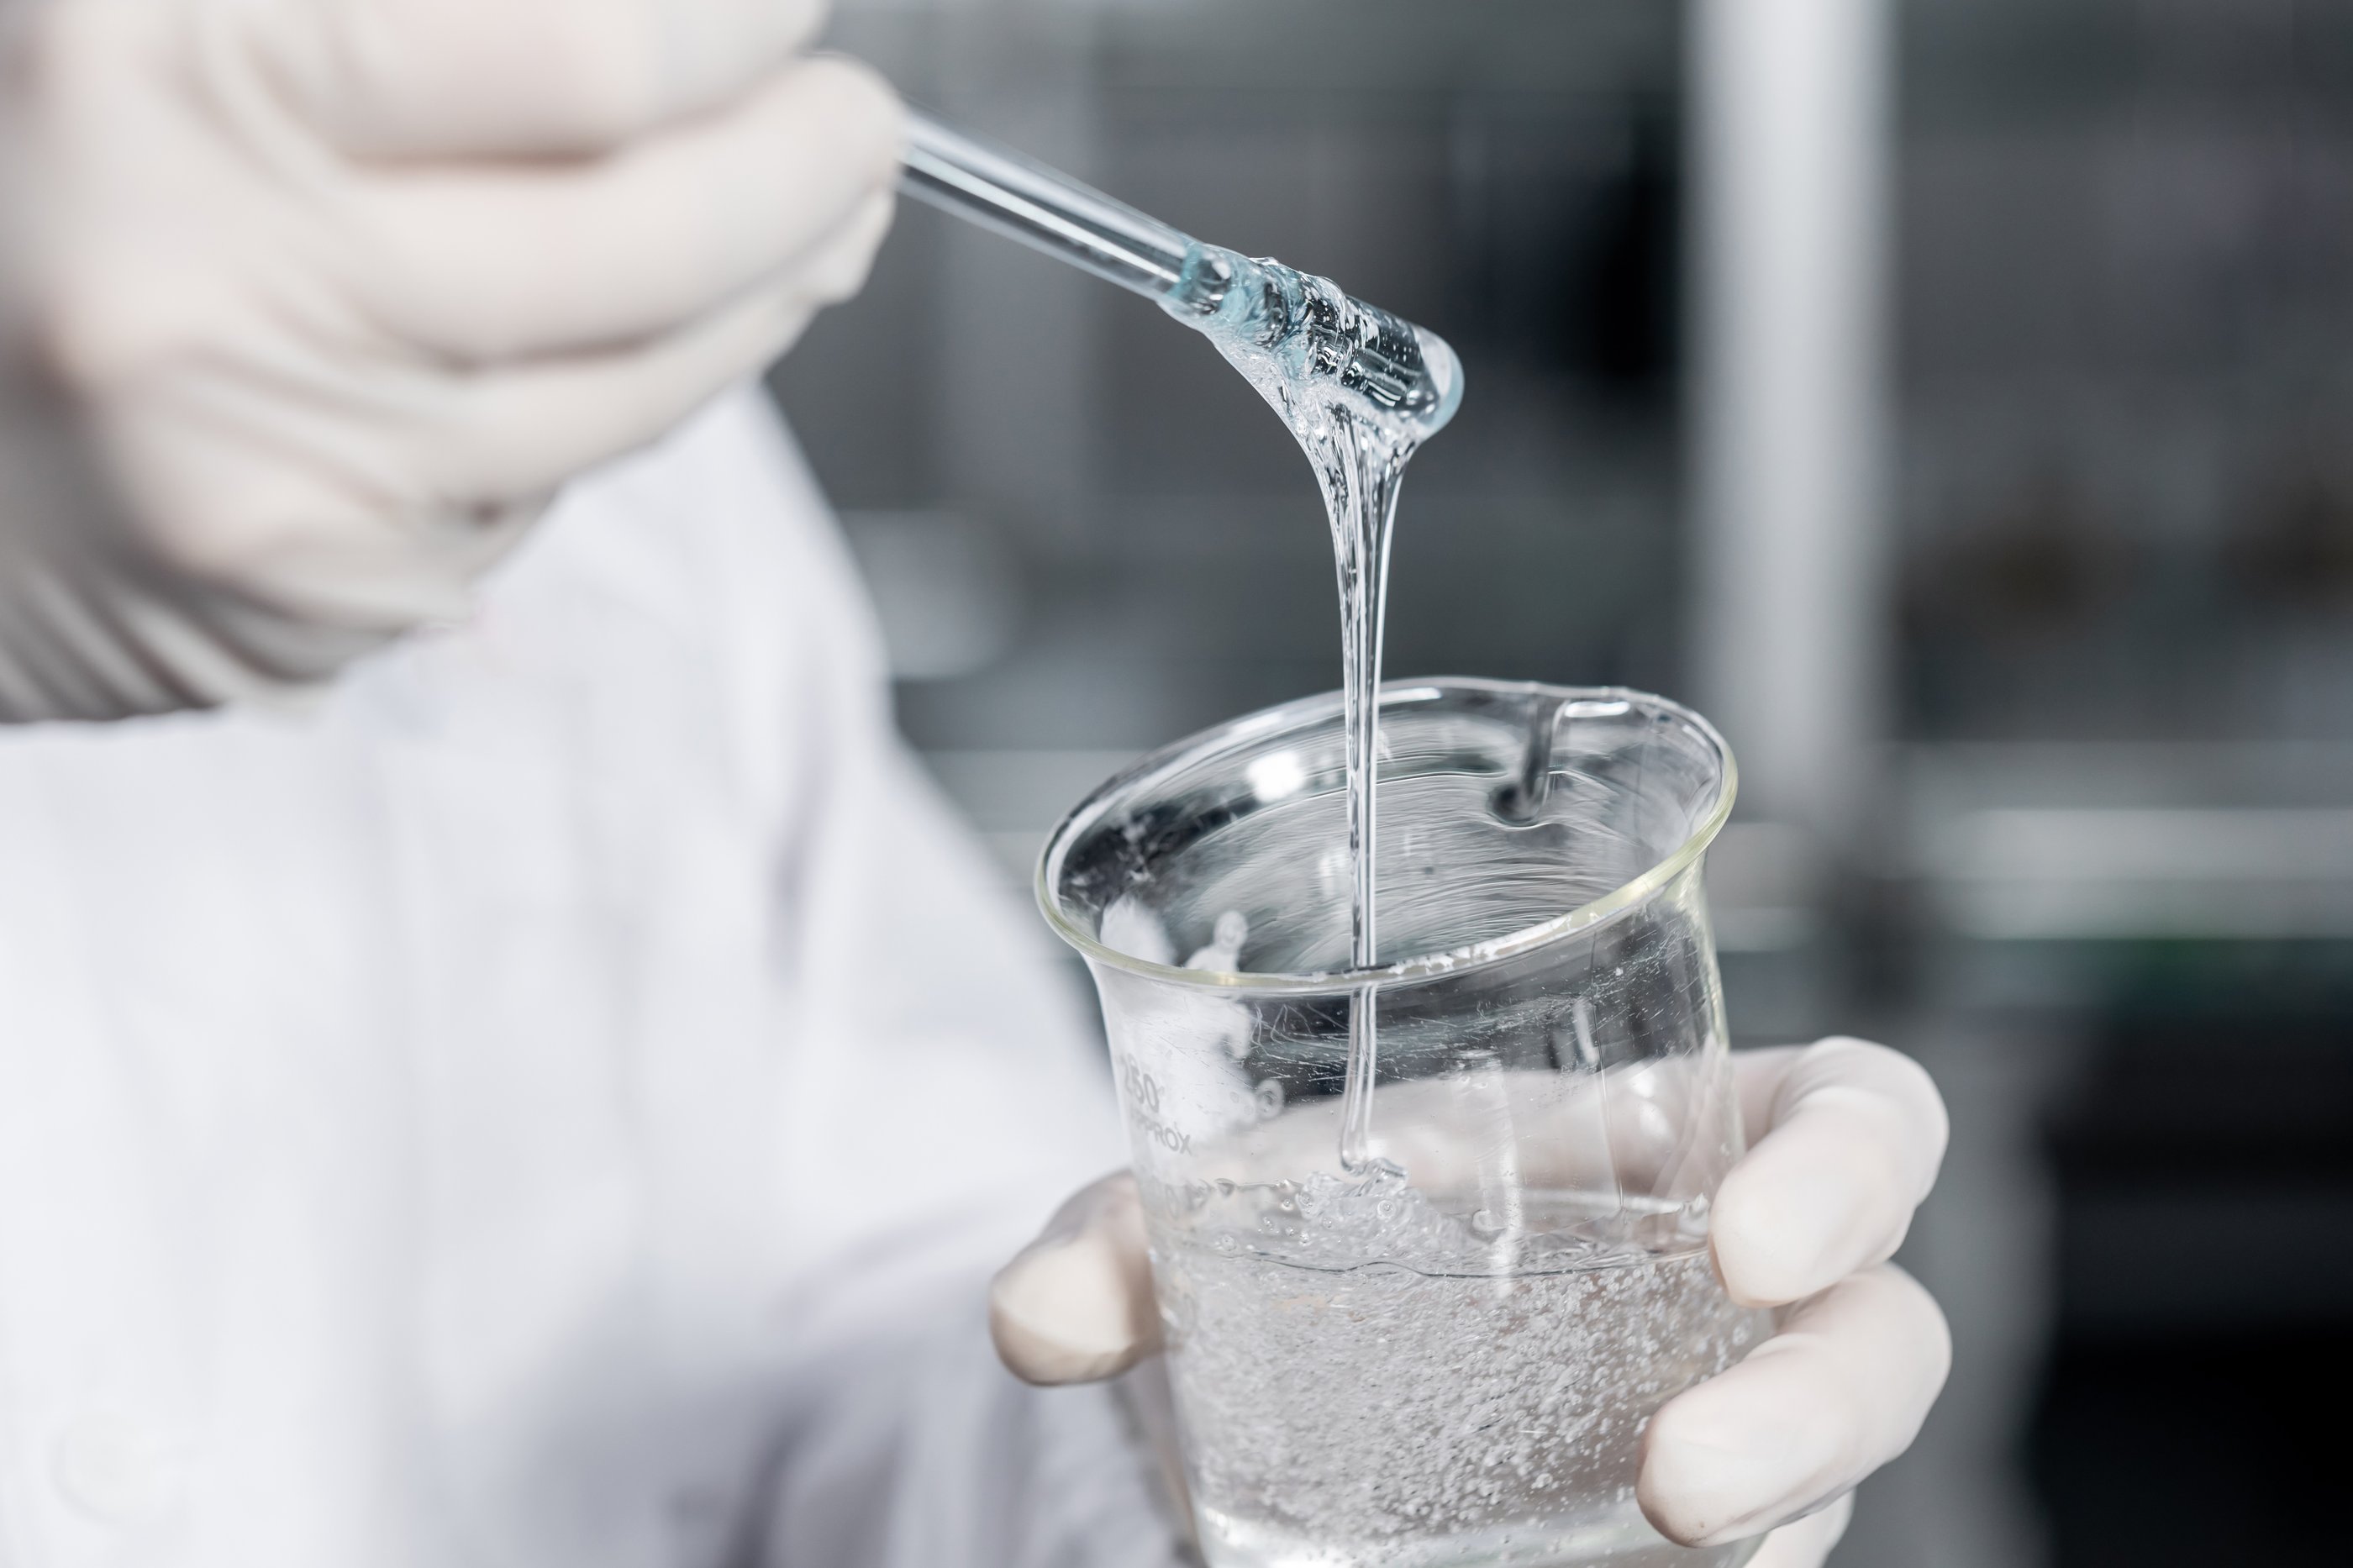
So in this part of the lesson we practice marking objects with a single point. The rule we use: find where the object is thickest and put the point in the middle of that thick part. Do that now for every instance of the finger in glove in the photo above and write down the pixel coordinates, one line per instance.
(1852, 1135)
(1839, 1391)
(1076, 1304)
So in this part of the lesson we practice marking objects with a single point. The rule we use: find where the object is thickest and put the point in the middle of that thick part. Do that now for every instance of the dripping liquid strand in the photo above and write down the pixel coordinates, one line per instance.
(1359, 470)
(1360, 389)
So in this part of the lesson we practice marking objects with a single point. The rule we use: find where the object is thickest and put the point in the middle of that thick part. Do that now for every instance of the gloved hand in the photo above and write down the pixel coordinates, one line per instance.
(306, 306)
(1846, 1140)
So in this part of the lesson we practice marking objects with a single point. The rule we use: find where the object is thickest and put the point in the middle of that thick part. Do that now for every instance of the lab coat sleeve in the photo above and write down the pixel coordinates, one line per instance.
(944, 1093)
(914, 1450)
(960, 1106)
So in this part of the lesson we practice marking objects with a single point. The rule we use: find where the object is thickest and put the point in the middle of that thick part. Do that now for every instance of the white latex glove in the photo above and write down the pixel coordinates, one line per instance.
(306, 306)
(1847, 1139)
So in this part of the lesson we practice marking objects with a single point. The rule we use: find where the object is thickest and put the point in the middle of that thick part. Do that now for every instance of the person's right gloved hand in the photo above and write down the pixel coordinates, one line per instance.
(306, 306)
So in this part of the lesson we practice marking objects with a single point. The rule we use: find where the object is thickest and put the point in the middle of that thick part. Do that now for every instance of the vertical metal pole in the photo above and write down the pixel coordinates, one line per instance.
(1790, 152)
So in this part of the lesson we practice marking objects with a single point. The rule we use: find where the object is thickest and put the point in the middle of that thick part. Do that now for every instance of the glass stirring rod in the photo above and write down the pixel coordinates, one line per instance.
(1401, 368)
(1039, 206)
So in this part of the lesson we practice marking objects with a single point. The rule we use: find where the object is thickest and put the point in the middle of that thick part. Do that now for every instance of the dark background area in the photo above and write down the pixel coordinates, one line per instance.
(2105, 885)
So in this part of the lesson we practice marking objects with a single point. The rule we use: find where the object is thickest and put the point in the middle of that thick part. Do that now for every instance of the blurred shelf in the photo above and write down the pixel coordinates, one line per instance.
(2044, 874)
(2063, 843)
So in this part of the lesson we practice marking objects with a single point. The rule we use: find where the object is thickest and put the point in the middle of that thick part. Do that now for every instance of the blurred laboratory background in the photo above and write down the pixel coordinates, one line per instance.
(1954, 398)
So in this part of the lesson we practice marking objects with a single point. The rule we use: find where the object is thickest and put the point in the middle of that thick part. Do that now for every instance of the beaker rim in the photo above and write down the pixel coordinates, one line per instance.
(1631, 894)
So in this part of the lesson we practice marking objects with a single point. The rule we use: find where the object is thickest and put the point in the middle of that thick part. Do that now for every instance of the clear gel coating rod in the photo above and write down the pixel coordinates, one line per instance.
(1039, 206)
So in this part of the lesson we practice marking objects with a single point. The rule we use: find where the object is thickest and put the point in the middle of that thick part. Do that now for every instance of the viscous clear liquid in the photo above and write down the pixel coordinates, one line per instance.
(1360, 389)
(1384, 1416)
(1450, 1406)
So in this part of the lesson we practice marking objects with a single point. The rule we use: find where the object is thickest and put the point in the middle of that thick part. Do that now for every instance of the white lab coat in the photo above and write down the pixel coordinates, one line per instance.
(554, 1107)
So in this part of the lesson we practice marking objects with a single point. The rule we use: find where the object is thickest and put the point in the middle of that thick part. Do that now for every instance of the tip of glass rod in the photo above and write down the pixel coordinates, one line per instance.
(1445, 373)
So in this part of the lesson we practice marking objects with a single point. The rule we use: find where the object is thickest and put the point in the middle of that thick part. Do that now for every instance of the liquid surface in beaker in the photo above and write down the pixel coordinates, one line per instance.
(1381, 1416)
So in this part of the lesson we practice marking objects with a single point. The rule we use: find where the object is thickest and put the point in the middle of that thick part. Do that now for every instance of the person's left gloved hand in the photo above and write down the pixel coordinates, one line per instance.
(1848, 1137)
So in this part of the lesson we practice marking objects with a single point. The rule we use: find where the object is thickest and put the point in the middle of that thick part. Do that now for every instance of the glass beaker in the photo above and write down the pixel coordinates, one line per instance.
(1445, 1354)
